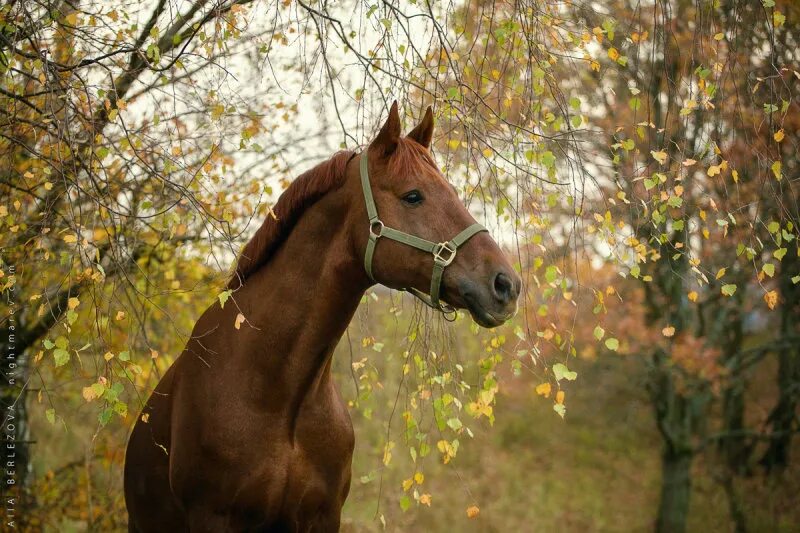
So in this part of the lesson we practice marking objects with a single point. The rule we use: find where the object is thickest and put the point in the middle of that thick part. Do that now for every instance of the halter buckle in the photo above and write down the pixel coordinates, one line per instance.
(372, 225)
(444, 253)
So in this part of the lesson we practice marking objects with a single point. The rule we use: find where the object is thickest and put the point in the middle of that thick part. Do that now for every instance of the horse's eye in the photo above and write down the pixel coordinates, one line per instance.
(412, 197)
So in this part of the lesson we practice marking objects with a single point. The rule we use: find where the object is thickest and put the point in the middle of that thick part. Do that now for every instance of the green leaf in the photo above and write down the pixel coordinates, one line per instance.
(124, 356)
(51, 415)
(551, 274)
(105, 416)
(405, 503)
(599, 332)
(223, 297)
(98, 389)
(561, 371)
(560, 409)
(454, 424)
(769, 269)
(779, 253)
(48, 344)
(729, 289)
(61, 356)
(773, 227)
(612, 344)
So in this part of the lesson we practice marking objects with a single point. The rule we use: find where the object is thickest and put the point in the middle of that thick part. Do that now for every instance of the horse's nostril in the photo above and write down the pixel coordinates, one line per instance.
(503, 287)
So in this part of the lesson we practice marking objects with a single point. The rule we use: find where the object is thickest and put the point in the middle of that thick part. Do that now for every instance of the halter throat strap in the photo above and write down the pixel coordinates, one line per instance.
(443, 252)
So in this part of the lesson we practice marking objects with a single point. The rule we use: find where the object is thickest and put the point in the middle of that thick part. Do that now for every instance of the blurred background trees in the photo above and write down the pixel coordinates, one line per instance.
(637, 159)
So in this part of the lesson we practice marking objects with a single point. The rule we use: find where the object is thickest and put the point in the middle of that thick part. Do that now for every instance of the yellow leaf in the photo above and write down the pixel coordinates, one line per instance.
(145, 417)
(719, 36)
(778, 135)
(407, 484)
(735, 175)
(693, 296)
(88, 394)
(660, 156)
(72, 19)
(689, 162)
(108, 356)
(419, 478)
(153, 354)
(776, 170)
(487, 152)
(120, 315)
(668, 331)
(473, 511)
(453, 143)
(544, 390)
(613, 53)
(48, 186)
(721, 272)
(71, 238)
(425, 499)
(771, 298)
(239, 319)
(72, 303)
(560, 397)
(713, 170)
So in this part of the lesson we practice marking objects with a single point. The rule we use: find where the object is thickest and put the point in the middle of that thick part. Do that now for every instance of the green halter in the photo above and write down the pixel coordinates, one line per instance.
(443, 252)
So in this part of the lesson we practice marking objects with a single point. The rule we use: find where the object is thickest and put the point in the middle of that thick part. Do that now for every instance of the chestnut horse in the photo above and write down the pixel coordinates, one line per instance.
(247, 431)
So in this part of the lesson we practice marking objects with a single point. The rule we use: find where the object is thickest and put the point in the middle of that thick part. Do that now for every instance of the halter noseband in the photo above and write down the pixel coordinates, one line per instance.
(443, 252)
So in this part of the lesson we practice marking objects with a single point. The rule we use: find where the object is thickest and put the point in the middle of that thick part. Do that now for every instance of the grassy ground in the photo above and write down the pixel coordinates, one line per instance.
(597, 470)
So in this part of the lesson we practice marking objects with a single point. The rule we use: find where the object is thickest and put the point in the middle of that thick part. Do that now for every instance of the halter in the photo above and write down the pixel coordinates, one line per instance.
(443, 252)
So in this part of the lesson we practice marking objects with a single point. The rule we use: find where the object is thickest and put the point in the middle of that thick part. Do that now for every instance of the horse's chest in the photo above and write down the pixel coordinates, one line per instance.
(316, 473)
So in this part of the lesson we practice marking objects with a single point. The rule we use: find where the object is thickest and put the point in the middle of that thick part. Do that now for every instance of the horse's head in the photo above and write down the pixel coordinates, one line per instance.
(412, 196)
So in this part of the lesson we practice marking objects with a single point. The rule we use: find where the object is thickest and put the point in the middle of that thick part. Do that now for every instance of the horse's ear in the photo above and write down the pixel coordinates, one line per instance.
(423, 133)
(389, 135)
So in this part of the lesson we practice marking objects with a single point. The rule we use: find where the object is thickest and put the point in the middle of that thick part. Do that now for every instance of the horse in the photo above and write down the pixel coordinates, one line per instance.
(246, 431)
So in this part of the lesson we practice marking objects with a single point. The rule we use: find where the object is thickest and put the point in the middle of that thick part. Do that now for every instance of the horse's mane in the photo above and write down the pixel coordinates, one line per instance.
(304, 191)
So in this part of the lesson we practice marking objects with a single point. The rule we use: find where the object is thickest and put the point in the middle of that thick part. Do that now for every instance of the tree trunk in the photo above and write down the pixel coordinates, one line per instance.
(783, 418)
(676, 485)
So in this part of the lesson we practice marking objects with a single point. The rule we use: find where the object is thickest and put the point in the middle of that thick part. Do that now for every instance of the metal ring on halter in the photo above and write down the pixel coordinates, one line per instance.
(372, 225)
(440, 249)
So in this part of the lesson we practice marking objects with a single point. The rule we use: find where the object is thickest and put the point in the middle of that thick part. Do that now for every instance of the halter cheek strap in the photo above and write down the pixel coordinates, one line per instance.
(443, 252)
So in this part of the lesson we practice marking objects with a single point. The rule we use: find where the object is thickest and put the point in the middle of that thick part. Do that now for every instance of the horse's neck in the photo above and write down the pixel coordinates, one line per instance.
(301, 302)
